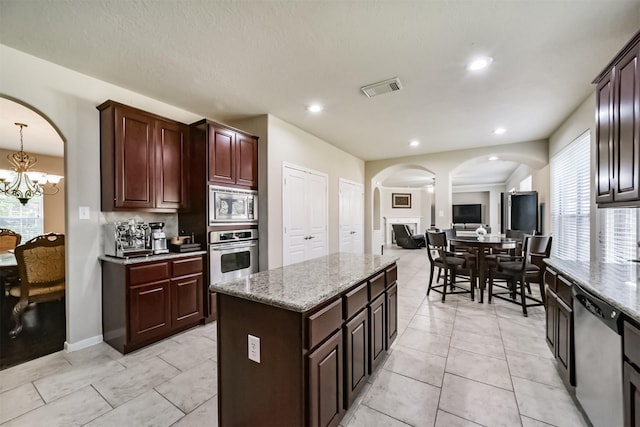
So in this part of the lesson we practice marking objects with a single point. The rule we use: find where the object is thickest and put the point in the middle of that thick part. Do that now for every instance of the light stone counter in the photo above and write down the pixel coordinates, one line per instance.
(302, 286)
(617, 284)
(149, 258)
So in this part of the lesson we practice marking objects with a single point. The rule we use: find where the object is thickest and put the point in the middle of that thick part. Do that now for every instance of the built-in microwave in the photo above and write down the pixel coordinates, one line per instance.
(232, 205)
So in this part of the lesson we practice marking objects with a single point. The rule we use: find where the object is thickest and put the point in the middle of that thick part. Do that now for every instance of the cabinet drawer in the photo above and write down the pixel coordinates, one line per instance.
(550, 279)
(564, 290)
(376, 286)
(355, 300)
(323, 323)
(631, 338)
(184, 266)
(145, 273)
(392, 274)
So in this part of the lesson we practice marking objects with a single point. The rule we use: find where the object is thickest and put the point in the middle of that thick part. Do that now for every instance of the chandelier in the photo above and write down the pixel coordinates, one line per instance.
(23, 183)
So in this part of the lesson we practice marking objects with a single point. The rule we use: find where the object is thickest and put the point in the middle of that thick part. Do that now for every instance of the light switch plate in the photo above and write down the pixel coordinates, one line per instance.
(84, 212)
(254, 348)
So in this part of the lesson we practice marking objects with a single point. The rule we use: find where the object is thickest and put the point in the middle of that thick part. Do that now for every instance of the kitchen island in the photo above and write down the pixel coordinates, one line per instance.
(297, 344)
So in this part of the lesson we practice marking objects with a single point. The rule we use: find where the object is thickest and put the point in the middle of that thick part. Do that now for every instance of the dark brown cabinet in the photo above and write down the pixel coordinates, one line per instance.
(142, 158)
(559, 322)
(377, 332)
(356, 353)
(147, 301)
(233, 157)
(618, 129)
(325, 383)
(631, 374)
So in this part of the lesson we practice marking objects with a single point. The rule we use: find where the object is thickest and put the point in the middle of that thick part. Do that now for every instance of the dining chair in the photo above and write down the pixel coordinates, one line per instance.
(9, 239)
(405, 239)
(453, 264)
(519, 271)
(41, 265)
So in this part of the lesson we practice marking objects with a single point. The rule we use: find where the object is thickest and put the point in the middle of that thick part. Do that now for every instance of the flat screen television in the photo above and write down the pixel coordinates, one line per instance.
(467, 214)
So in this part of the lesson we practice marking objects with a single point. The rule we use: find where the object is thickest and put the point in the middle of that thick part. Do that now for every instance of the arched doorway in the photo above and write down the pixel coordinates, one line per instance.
(44, 324)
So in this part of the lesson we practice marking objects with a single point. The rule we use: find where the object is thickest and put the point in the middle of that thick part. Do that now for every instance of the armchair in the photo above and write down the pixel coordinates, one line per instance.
(41, 265)
(405, 239)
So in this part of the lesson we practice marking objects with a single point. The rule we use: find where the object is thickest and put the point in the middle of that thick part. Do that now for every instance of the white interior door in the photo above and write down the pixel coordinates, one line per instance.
(305, 201)
(351, 217)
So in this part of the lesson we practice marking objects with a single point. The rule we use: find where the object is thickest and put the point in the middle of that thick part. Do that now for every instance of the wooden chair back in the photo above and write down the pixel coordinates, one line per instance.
(41, 264)
(9, 239)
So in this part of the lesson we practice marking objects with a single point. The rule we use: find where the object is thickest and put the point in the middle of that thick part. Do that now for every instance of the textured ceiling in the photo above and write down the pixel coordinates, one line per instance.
(231, 59)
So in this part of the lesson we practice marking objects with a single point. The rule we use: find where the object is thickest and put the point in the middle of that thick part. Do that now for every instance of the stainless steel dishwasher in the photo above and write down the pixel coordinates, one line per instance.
(598, 357)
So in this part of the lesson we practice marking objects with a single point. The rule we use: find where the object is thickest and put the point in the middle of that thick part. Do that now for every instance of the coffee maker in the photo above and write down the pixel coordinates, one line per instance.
(157, 238)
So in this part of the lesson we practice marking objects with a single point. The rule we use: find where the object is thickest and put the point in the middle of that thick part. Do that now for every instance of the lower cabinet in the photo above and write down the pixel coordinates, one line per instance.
(559, 323)
(631, 395)
(146, 301)
(356, 355)
(325, 383)
(378, 332)
(392, 313)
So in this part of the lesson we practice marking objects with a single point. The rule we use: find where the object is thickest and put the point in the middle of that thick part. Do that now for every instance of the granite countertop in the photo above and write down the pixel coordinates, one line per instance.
(617, 284)
(302, 286)
(149, 258)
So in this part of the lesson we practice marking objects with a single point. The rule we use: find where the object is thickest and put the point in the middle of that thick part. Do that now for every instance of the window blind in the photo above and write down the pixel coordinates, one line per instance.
(618, 235)
(26, 220)
(570, 198)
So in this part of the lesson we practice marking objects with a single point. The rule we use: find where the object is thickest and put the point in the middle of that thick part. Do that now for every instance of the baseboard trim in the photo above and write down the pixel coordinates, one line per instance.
(69, 347)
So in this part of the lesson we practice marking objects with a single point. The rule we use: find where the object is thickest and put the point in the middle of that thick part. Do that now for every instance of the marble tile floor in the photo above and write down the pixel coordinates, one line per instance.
(460, 363)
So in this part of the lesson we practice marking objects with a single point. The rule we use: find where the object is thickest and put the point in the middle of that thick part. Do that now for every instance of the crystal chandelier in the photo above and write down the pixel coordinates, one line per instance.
(21, 182)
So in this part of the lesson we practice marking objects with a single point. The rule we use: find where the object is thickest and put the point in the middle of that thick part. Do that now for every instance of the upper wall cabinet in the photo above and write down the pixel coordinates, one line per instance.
(232, 155)
(618, 129)
(142, 159)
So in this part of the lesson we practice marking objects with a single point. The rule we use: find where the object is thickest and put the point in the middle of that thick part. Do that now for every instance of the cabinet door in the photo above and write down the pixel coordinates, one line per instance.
(605, 181)
(626, 132)
(356, 351)
(149, 310)
(552, 307)
(326, 383)
(564, 339)
(186, 300)
(246, 161)
(392, 315)
(171, 156)
(631, 395)
(377, 327)
(134, 159)
(222, 156)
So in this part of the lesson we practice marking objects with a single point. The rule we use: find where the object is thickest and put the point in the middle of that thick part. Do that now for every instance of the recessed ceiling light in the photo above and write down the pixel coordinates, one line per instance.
(414, 143)
(479, 63)
(315, 108)
(499, 131)
(492, 158)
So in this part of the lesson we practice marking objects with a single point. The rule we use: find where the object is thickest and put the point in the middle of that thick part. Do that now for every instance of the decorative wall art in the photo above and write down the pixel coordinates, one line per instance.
(401, 200)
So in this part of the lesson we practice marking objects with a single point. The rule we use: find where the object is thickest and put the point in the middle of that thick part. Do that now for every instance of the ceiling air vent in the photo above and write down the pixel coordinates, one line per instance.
(379, 88)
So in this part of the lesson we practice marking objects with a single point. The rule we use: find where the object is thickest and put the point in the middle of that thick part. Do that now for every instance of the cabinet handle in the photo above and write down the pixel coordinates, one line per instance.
(312, 237)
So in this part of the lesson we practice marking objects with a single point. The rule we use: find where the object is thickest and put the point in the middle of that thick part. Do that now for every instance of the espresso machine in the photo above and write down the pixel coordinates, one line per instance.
(157, 238)
(126, 239)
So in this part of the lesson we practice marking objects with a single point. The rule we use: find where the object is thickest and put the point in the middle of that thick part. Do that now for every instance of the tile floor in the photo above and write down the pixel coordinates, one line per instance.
(455, 364)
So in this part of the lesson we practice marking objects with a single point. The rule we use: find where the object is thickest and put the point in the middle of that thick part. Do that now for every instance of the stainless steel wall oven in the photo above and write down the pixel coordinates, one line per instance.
(232, 254)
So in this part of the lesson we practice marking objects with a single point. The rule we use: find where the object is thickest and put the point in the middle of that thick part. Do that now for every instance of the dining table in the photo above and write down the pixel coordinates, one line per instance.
(483, 245)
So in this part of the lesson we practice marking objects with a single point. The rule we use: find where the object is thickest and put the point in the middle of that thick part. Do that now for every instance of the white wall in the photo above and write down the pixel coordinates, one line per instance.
(69, 99)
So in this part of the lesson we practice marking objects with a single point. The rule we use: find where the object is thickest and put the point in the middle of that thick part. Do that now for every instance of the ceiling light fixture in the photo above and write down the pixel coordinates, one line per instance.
(315, 108)
(499, 131)
(22, 183)
(492, 158)
(479, 63)
(414, 143)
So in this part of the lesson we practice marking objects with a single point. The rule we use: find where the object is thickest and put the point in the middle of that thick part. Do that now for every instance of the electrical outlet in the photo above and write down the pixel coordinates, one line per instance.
(254, 348)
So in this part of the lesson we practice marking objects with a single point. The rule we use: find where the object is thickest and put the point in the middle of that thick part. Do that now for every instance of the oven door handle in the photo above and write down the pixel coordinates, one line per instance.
(235, 245)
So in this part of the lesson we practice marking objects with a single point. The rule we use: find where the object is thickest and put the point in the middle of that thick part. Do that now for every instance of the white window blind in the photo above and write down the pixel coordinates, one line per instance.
(570, 196)
(618, 235)
(26, 220)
